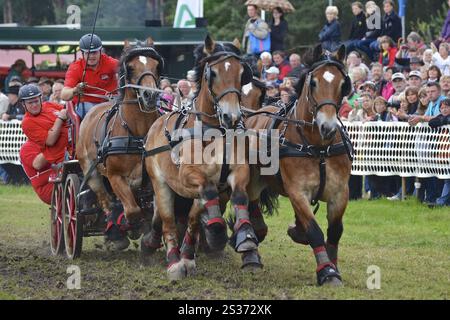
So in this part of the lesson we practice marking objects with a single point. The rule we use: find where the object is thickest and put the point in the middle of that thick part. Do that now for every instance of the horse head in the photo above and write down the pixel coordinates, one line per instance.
(221, 75)
(140, 69)
(325, 85)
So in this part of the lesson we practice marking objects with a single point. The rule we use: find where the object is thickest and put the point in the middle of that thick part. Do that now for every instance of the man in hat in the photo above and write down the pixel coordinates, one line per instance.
(45, 85)
(370, 88)
(415, 63)
(400, 84)
(15, 109)
(100, 72)
(415, 79)
(272, 75)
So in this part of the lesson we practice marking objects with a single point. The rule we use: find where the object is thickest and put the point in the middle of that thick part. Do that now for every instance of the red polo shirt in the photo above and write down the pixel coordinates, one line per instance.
(39, 179)
(36, 129)
(104, 77)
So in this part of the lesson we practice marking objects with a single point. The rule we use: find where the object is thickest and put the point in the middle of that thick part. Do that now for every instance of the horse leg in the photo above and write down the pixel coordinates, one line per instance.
(164, 207)
(189, 240)
(151, 241)
(326, 271)
(335, 212)
(257, 220)
(244, 238)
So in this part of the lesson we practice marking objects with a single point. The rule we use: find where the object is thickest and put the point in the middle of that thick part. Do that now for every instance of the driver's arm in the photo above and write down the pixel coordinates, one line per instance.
(39, 162)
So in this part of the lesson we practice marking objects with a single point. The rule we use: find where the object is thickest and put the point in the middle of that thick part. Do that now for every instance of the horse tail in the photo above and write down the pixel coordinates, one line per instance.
(268, 201)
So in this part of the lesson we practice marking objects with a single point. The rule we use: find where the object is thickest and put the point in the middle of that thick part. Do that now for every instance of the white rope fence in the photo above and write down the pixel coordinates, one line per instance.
(11, 139)
(382, 148)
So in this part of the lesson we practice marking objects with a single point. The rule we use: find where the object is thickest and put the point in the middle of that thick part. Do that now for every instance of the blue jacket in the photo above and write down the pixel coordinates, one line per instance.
(446, 28)
(330, 36)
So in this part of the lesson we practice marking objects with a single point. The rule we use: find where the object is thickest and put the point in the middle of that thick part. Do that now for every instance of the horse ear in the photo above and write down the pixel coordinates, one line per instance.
(149, 42)
(126, 44)
(341, 53)
(237, 43)
(209, 45)
(318, 51)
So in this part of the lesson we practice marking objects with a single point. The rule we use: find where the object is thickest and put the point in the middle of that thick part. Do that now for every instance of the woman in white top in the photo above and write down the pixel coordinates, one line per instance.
(441, 59)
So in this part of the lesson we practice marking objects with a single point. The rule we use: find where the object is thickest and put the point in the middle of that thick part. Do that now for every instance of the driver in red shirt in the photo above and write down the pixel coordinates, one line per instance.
(101, 72)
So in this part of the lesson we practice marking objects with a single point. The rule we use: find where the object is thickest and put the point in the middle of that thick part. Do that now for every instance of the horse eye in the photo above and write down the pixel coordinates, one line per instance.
(313, 83)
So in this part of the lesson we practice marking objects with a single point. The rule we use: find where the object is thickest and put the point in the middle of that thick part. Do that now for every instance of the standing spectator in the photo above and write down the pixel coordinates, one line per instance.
(441, 59)
(330, 36)
(434, 74)
(427, 57)
(388, 51)
(415, 79)
(272, 94)
(278, 30)
(45, 85)
(392, 24)
(285, 96)
(445, 33)
(56, 93)
(266, 61)
(296, 65)
(15, 108)
(190, 76)
(280, 62)
(399, 83)
(184, 88)
(272, 75)
(164, 83)
(354, 59)
(359, 26)
(255, 28)
(16, 70)
(373, 31)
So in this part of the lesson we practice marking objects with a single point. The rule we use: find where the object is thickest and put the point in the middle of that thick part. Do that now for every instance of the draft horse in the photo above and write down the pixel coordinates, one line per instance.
(111, 143)
(220, 75)
(315, 161)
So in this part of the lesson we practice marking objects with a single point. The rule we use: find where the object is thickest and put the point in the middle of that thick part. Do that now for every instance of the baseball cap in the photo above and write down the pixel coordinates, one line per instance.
(273, 70)
(398, 75)
(415, 73)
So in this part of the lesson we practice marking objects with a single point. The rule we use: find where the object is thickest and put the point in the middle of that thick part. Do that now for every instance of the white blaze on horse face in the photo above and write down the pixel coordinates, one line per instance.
(227, 66)
(247, 88)
(143, 59)
(329, 77)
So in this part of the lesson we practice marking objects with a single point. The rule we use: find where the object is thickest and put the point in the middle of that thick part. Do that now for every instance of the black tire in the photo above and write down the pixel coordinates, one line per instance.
(57, 220)
(73, 222)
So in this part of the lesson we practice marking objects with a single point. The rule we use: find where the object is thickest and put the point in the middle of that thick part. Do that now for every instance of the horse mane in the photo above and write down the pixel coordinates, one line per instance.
(262, 86)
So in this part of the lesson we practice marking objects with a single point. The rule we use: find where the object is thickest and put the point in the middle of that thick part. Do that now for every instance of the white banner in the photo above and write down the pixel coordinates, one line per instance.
(187, 11)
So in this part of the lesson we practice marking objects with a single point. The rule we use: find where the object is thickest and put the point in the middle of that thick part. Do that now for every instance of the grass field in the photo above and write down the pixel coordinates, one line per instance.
(407, 241)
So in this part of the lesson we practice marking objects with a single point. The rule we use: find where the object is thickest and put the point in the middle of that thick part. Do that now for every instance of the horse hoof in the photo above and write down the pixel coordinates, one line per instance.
(150, 243)
(177, 271)
(190, 266)
(297, 235)
(251, 261)
(147, 250)
(333, 282)
(216, 236)
(117, 245)
(329, 276)
(248, 245)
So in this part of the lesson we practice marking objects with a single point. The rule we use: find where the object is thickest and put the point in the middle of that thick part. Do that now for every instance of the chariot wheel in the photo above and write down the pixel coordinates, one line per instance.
(56, 220)
(73, 222)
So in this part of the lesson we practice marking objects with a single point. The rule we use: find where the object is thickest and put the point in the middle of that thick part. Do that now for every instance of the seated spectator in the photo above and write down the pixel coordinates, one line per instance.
(358, 76)
(164, 83)
(345, 110)
(16, 70)
(424, 101)
(38, 170)
(441, 58)
(272, 75)
(46, 88)
(354, 60)
(167, 100)
(415, 79)
(184, 87)
(388, 51)
(296, 65)
(285, 97)
(281, 64)
(359, 26)
(56, 93)
(370, 88)
(427, 57)
(399, 83)
(266, 61)
(434, 74)
(409, 102)
(330, 35)
(376, 76)
(190, 76)
(445, 85)
(15, 108)
(416, 42)
(373, 31)
(388, 90)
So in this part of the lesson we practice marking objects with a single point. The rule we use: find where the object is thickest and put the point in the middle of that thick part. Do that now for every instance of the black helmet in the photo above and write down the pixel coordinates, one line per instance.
(95, 45)
(29, 91)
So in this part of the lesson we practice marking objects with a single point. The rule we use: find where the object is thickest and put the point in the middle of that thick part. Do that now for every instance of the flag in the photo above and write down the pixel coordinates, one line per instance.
(187, 11)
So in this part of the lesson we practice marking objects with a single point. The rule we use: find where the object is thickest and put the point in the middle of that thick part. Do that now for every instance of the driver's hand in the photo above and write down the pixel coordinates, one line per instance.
(79, 88)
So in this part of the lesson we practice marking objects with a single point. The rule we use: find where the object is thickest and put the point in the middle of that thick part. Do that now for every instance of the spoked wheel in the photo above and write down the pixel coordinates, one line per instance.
(56, 220)
(73, 222)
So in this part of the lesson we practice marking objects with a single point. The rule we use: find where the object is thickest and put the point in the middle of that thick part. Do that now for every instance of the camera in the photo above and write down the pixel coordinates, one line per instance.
(394, 104)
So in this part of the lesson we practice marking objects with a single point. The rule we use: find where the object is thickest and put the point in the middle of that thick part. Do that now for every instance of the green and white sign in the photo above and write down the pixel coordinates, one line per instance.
(187, 11)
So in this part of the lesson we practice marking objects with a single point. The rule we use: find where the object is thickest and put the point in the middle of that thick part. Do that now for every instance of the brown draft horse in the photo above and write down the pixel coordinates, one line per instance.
(217, 105)
(315, 162)
(253, 94)
(118, 136)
